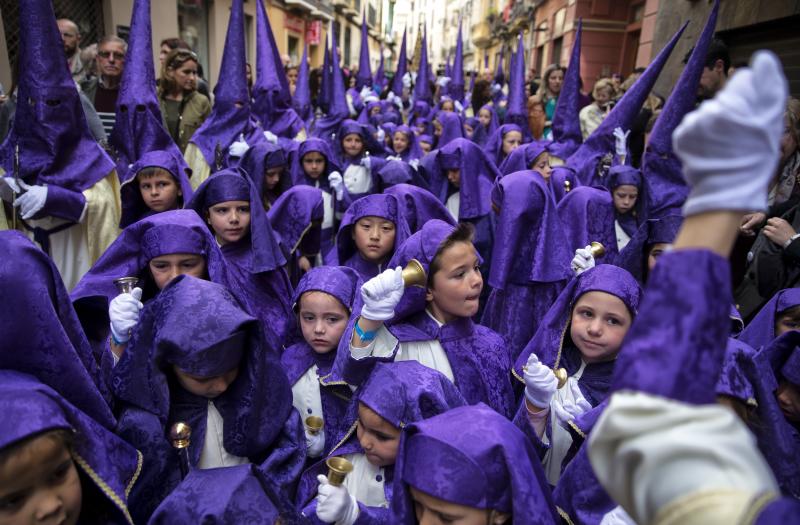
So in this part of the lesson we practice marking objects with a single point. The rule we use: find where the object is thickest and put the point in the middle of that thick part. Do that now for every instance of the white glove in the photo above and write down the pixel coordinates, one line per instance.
(238, 148)
(621, 142)
(407, 80)
(583, 260)
(458, 106)
(335, 504)
(414, 163)
(11, 182)
(380, 135)
(32, 201)
(365, 92)
(394, 99)
(617, 516)
(540, 383)
(568, 407)
(271, 137)
(393, 157)
(337, 184)
(123, 311)
(443, 81)
(381, 294)
(315, 444)
(496, 88)
(366, 161)
(729, 146)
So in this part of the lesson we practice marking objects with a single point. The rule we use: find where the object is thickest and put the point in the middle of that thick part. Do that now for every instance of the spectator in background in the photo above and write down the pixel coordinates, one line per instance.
(170, 44)
(291, 76)
(552, 79)
(71, 36)
(183, 108)
(533, 81)
(102, 91)
(536, 117)
(89, 59)
(715, 72)
(593, 115)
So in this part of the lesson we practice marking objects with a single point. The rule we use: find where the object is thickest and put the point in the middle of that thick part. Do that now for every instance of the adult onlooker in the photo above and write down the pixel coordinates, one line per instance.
(552, 79)
(593, 115)
(170, 44)
(71, 36)
(533, 81)
(183, 108)
(103, 90)
(715, 72)
(89, 59)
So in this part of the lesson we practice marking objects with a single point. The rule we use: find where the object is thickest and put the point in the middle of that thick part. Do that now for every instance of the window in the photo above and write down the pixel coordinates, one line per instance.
(346, 56)
(371, 15)
(193, 27)
(293, 45)
(555, 58)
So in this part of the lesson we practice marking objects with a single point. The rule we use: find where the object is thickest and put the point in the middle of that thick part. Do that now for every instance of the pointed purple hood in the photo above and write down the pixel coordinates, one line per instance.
(324, 95)
(499, 75)
(601, 141)
(364, 76)
(55, 145)
(302, 92)
(662, 169)
(566, 125)
(380, 76)
(422, 88)
(401, 69)
(516, 112)
(337, 105)
(457, 79)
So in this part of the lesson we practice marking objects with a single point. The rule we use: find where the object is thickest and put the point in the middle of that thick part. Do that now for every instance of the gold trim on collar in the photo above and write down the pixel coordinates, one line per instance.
(103, 486)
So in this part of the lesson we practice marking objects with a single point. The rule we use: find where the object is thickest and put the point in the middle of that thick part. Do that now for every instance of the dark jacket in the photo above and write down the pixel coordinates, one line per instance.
(195, 108)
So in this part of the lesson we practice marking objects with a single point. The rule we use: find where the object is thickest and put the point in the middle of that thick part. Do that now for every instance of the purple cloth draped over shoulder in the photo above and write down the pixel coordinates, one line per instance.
(494, 146)
(420, 206)
(257, 160)
(293, 215)
(108, 465)
(396, 172)
(133, 206)
(760, 331)
(452, 128)
(634, 256)
(562, 181)
(41, 332)
(200, 328)
(530, 260)
(587, 213)
(473, 457)
(522, 158)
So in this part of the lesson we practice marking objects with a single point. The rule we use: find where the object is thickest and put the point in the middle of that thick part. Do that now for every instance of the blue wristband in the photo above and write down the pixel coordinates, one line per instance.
(365, 336)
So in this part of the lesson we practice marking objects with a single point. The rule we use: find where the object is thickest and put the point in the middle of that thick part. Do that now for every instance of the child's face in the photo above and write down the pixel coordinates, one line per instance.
(456, 286)
(230, 220)
(208, 387)
(352, 145)
(454, 176)
(377, 437)
(468, 130)
(541, 165)
(434, 511)
(511, 141)
(656, 251)
(786, 322)
(437, 128)
(625, 197)
(159, 190)
(165, 268)
(485, 117)
(599, 323)
(425, 147)
(314, 164)
(272, 177)
(374, 238)
(448, 105)
(323, 320)
(40, 484)
(789, 400)
(399, 142)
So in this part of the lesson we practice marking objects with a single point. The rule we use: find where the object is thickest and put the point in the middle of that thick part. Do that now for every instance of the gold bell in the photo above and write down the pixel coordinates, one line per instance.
(561, 375)
(597, 249)
(338, 469)
(180, 434)
(314, 425)
(126, 284)
(414, 274)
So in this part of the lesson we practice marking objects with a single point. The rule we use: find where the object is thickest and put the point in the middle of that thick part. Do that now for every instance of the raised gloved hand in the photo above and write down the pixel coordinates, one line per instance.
(414, 163)
(381, 294)
(335, 504)
(540, 383)
(458, 106)
(365, 92)
(443, 81)
(568, 407)
(380, 135)
(621, 142)
(32, 201)
(238, 148)
(123, 311)
(271, 137)
(729, 146)
(337, 184)
(496, 88)
(315, 444)
(365, 160)
(407, 80)
(583, 260)
(396, 100)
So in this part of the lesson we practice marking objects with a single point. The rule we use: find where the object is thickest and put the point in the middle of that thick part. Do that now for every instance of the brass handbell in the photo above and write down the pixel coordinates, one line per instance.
(126, 284)
(314, 425)
(414, 274)
(338, 469)
(179, 435)
(567, 186)
(561, 375)
(597, 249)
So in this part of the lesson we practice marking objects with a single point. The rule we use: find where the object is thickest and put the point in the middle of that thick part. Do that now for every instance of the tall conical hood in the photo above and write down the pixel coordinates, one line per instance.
(662, 169)
(139, 128)
(302, 92)
(601, 141)
(422, 88)
(516, 84)
(272, 100)
(230, 115)
(364, 76)
(380, 76)
(325, 79)
(566, 124)
(55, 145)
(457, 75)
(401, 69)
(499, 74)
(337, 105)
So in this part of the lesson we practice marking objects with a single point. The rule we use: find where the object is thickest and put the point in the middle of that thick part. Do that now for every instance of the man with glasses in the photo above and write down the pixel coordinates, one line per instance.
(71, 36)
(104, 89)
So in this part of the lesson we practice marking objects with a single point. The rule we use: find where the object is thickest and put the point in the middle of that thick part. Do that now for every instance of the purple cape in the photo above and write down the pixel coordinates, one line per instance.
(494, 146)
(474, 457)
(294, 214)
(257, 161)
(760, 332)
(420, 206)
(634, 257)
(396, 172)
(521, 158)
(562, 181)
(452, 128)
(588, 216)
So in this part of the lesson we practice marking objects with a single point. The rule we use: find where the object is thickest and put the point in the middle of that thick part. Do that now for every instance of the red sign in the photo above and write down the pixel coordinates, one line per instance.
(314, 32)
(293, 23)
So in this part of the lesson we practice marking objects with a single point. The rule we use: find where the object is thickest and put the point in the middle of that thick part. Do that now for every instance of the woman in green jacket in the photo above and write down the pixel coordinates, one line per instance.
(182, 107)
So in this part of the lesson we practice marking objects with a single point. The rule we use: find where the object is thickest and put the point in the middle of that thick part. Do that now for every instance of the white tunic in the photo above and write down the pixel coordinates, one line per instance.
(365, 482)
(561, 439)
(357, 179)
(453, 204)
(306, 398)
(214, 454)
(622, 238)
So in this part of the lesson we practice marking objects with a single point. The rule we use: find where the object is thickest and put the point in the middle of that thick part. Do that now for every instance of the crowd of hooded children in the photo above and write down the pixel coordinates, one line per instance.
(388, 307)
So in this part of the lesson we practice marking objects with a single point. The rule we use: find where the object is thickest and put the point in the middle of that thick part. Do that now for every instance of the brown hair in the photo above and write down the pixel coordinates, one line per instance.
(463, 233)
(604, 83)
(175, 59)
(544, 90)
(793, 116)
(61, 435)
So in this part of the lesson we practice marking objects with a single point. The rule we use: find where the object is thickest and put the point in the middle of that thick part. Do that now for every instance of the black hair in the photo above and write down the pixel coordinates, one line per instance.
(717, 50)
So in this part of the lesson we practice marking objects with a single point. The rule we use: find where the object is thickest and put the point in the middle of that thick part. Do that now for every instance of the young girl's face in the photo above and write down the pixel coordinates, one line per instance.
(448, 105)
(625, 197)
(230, 220)
(374, 238)
(789, 400)
(323, 320)
(434, 511)
(485, 117)
(208, 387)
(399, 142)
(159, 190)
(377, 437)
(656, 251)
(165, 268)
(39, 483)
(541, 165)
(437, 128)
(599, 323)
(511, 141)
(454, 176)
(426, 147)
(352, 145)
(456, 286)
(272, 177)
(468, 130)
(314, 164)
